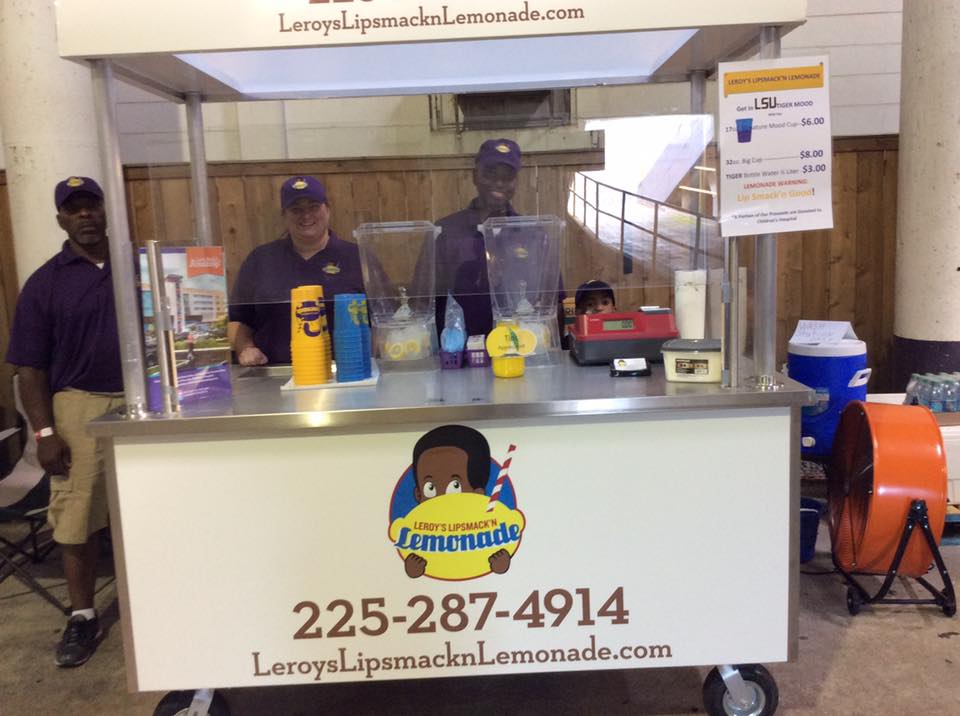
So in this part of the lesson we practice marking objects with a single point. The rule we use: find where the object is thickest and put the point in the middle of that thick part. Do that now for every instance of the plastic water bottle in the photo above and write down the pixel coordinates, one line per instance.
(923, 391)
(937, 393)
(913, 385)
(951, 392)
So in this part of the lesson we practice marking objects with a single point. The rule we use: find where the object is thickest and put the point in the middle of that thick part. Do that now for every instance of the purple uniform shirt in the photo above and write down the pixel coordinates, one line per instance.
(261, 293)
(461, 268)
(65, 324)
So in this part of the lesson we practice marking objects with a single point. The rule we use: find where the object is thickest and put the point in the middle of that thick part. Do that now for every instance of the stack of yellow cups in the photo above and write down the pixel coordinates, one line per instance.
(310, 336)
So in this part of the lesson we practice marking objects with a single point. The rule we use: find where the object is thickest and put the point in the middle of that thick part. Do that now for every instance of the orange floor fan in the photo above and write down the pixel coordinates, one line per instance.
(887, 494)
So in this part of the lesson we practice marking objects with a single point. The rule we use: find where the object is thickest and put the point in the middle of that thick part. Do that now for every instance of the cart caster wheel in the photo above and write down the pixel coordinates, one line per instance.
(763, 688)
(950, 608)
(177, 703)
(854, 601)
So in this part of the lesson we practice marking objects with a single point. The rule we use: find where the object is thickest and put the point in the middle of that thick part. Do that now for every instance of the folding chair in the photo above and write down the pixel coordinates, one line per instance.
(24, 496)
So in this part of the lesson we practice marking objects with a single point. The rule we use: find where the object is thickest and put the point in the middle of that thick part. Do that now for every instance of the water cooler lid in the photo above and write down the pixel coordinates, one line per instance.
(842, 348)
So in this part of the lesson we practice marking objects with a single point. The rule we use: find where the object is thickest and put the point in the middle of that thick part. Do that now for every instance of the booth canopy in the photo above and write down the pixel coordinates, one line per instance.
(229, 50)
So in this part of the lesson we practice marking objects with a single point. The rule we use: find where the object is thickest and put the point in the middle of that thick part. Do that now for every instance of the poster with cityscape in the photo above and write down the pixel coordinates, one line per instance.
(196, 288)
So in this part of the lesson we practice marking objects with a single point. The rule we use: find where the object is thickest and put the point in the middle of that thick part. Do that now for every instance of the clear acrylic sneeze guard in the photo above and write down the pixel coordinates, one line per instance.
(398, 272)
(523, 265)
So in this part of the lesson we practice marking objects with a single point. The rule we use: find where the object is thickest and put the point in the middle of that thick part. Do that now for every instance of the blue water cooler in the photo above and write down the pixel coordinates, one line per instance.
(838, 373)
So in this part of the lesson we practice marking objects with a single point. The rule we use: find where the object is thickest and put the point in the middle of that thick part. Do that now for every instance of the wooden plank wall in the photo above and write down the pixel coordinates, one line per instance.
(847, 274)
(843, 274)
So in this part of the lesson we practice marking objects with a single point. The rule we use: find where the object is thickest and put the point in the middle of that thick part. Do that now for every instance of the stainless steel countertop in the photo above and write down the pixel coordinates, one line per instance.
(258, 405)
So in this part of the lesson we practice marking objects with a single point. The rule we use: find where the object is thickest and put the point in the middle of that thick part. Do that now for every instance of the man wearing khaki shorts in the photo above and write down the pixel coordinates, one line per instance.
(65, 346)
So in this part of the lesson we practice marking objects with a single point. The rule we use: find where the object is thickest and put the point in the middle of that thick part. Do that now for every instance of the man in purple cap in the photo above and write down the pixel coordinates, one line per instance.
(308, 254)
(461, 262)
(66, 350)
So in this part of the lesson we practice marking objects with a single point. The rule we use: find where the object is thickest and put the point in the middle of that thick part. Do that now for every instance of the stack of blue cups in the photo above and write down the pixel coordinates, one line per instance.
(351, 337)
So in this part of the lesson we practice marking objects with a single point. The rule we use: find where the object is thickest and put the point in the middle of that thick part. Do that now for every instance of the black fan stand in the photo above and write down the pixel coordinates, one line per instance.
(946, 599)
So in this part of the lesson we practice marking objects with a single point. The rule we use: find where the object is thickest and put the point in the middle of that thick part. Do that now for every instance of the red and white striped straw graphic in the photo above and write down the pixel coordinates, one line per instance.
(501, 477)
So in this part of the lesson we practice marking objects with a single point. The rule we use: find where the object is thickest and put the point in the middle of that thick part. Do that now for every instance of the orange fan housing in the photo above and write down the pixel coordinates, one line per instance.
(884, 457)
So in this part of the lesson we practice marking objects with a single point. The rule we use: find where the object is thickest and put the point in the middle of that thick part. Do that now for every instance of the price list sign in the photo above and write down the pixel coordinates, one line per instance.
(775, 148)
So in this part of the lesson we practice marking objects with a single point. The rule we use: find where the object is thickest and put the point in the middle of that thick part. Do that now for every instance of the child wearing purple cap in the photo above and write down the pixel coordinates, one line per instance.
(595, 296)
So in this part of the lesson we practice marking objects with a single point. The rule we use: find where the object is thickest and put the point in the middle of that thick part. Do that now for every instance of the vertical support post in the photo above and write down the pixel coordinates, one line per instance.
(198, 171)
(623, 231)
(653, 246)
(584, 199)
(691, 201)
(596, 209)
(730, 298)
(121, 250)
(765, 291)
(166, 352)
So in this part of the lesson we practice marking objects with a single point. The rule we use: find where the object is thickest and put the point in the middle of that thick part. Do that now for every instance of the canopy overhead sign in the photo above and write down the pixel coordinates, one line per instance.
(119, 27)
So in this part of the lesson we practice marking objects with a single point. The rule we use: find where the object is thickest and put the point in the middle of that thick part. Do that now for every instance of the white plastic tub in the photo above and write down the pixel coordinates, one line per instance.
(692, 360)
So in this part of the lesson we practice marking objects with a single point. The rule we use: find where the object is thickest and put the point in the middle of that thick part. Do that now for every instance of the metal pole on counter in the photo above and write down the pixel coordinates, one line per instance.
(730, 299)
(166, 351)
(765, 293)
(198, 170)
(121, 250)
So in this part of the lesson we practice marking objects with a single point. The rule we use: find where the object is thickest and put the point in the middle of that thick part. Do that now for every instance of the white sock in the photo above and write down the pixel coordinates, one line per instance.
(85, 613)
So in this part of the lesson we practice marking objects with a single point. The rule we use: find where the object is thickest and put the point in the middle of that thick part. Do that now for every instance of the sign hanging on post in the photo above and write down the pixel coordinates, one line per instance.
(775, 146)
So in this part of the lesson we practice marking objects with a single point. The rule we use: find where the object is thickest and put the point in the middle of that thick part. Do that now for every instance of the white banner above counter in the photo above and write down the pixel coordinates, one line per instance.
(775, 146)
(119, 27)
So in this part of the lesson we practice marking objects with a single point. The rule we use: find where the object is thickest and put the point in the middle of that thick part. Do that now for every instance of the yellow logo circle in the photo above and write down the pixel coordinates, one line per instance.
(299, 184)
(503, 149)
(74, 181)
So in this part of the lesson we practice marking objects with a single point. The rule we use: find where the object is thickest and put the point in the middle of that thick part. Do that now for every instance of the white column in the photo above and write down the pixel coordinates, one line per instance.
(927, 301)
(48, 126)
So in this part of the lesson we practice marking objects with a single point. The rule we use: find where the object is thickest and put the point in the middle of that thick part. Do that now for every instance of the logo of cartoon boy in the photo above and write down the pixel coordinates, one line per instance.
(452, 520)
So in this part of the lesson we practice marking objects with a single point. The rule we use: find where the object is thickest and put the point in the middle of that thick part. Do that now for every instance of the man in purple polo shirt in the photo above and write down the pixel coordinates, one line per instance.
(65, 347)
(461, 261)
(308, 254)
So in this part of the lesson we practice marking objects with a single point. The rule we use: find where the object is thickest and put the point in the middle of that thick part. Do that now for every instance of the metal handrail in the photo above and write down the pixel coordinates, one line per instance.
(698, 246)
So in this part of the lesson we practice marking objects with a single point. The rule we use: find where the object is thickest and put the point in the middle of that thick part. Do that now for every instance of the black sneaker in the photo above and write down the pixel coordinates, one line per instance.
(78, 642)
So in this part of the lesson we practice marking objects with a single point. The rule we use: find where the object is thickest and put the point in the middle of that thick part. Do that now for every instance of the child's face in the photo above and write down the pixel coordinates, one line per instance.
(598, 302)
(442, 471)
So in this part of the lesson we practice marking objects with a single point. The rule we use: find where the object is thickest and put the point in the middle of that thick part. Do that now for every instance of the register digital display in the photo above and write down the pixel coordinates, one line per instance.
(625, 324)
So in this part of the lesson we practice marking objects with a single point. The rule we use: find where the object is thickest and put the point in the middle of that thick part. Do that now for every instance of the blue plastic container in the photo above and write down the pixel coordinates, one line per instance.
(838, 373)
(810, 512)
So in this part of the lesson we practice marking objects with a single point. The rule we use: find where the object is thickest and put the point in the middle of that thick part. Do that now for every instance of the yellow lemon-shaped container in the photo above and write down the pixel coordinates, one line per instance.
(456, 535)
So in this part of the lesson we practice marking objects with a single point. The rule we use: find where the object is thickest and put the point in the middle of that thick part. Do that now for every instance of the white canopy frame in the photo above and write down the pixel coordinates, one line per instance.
(187, 52)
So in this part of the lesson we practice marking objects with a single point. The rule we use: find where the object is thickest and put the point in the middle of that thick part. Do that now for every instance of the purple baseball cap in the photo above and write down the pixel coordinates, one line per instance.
(74, 185)
(499, 151)
(592, 286)
(302, 188)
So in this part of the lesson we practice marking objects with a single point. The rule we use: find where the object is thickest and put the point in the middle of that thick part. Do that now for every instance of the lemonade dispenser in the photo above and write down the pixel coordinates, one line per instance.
(523, 265)
(398, 272)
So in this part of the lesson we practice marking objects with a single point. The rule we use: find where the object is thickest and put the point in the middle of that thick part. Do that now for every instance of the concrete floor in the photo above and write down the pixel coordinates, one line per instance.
(887, 660)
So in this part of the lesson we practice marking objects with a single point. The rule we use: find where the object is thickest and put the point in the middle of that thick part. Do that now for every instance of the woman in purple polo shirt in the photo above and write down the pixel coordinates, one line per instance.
(308, 253)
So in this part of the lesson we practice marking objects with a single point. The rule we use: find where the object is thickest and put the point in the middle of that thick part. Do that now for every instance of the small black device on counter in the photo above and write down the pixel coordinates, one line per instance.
(629, 367)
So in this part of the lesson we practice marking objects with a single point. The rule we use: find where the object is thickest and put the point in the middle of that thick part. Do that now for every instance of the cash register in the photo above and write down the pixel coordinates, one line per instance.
(600, 337)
